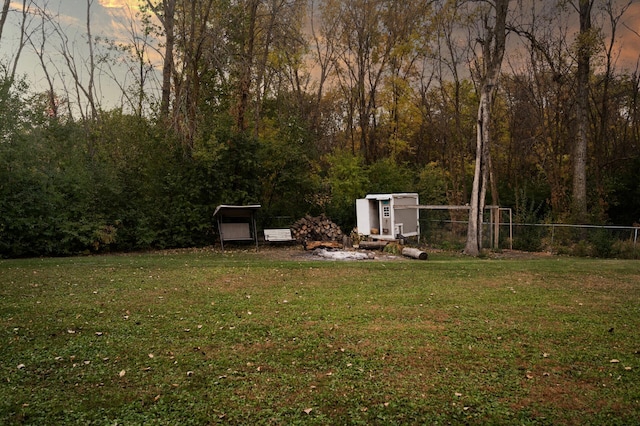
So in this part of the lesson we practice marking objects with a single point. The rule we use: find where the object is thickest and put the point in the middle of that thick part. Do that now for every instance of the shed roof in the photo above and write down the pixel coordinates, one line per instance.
(236, 211)
(393, 195)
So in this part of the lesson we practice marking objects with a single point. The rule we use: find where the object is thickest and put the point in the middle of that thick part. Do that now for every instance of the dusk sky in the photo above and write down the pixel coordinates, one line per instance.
(110, 18)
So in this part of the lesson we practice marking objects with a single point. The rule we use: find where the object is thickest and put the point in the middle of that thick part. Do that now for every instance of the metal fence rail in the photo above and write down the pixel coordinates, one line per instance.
(587, 240)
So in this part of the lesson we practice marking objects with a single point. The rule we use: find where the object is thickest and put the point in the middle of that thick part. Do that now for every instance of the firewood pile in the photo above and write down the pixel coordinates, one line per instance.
(319, 228)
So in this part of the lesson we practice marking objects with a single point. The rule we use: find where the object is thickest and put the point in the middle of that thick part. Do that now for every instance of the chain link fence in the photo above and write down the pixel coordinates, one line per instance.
(448, 230)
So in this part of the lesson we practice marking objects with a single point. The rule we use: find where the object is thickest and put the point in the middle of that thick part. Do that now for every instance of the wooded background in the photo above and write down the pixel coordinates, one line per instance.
(304, 106)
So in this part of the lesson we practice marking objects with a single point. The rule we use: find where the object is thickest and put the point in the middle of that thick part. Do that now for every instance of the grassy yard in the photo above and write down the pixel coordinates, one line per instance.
(244, 338)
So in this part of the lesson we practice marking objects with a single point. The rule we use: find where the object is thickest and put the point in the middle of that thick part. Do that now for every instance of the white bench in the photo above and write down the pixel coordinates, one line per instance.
(277, 235)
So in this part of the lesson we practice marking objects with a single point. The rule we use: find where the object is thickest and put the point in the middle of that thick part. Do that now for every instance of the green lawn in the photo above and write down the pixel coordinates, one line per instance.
(243, 338)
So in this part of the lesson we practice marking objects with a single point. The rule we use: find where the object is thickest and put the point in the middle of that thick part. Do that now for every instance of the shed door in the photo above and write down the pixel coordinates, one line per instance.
(385, 219)
(362, 216)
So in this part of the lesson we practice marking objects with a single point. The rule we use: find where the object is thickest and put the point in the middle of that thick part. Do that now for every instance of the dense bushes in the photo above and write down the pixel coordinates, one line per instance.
(124, 182)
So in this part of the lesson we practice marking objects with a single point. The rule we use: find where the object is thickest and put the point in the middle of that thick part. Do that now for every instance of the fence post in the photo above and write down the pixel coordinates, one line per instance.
(635, 238)
(496, 227)
(510, 229)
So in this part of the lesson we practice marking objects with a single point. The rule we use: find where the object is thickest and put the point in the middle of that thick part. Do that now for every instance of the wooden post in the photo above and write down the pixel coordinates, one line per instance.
(373, 245)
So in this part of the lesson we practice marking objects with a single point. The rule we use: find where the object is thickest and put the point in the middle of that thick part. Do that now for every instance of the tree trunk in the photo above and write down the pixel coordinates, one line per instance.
(415, 253)
(246, 63)
(478, 190)
(166, 16)
(579, 201)
(493, 47)
(167, 64)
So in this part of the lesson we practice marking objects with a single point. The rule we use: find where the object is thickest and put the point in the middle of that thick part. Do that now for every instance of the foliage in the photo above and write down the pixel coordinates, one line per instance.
(347, 180)
(432, 185)
(528, 210)
(386, 176)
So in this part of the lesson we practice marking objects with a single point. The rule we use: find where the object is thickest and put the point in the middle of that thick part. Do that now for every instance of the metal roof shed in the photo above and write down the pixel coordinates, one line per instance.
(237, 223)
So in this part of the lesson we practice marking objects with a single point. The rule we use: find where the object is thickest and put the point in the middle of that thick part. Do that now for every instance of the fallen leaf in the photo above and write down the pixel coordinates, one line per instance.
(156, 398)
(614, 361)
(545, 355)
(71, 331)
(189, 373)
(122, 373)
(529, 376)
(628, 368)
(21, 366)
(458, 394)
(150, 355)
(308, 410)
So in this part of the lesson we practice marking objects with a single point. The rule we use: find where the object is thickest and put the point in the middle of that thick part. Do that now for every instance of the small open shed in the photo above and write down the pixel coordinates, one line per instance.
(388, 216)
(237, 223)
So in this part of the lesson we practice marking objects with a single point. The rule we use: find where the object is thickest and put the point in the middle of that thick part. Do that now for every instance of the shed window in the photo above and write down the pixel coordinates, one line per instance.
(386, 211)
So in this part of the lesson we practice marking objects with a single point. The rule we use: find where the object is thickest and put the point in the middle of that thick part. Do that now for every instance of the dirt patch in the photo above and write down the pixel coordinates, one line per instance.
(297, 252)
(516, 254)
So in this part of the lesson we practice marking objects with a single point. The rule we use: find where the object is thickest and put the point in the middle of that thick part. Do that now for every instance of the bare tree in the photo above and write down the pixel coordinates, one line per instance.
(40, 50)
(451, 55)
(613, 14)
(135, 57)
(374, 45)
(85, 90)
(3, 16)
(324, 50)
(24, 34)
(488, 68)
(248, 24)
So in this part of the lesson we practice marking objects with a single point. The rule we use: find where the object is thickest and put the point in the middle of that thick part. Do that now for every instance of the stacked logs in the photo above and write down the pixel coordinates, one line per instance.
(319, 228)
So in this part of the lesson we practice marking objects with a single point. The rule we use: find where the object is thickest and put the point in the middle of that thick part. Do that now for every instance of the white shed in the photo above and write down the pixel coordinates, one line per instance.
(388, 216)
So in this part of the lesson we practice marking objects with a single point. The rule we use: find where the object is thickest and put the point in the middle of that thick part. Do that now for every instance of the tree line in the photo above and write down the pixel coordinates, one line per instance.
(304, 106)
